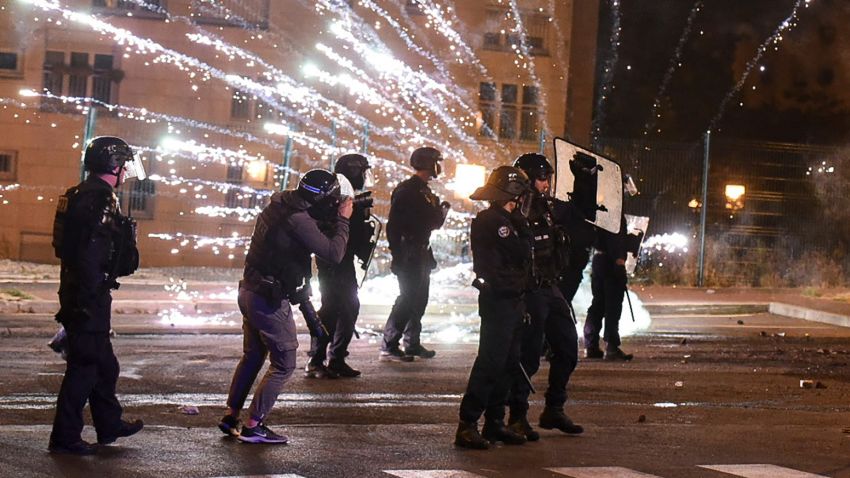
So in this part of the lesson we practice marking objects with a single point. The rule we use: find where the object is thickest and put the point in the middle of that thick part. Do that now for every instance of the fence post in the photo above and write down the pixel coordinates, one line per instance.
(703, 210)
(88, 134)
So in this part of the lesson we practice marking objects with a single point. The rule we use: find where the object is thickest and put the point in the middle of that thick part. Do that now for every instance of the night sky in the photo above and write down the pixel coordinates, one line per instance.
(800, 96)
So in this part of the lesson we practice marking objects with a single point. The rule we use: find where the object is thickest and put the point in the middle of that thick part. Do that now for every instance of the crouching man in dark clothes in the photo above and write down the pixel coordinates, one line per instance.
(96, 245)
(500, 258)
(278, 262)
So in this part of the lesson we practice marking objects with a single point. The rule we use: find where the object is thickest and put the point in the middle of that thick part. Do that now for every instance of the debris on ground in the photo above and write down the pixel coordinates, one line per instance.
(189, 410)
(684, 341)
(779, 334)
(642, 419)
(679, 384)
(740, 322)
(763, 333)
(807, 384)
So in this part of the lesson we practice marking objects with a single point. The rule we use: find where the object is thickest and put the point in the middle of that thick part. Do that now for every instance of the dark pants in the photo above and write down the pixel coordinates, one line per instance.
(572, 276)
(90, 376)
(608, 284)
(498, 358)
(406, 316)
(340, 307)
(550, 315)
(267, 331)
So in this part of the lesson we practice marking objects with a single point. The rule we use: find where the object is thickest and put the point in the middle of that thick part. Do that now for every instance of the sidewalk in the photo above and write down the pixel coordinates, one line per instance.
(156, 292)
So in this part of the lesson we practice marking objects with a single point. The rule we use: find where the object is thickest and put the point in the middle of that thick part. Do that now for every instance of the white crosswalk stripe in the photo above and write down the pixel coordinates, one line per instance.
(761, 471)
(600, 472)
(432, 474)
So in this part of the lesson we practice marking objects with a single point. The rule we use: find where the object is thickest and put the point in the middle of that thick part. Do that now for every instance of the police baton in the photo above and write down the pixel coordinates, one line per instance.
(527, 378)
(631, 309)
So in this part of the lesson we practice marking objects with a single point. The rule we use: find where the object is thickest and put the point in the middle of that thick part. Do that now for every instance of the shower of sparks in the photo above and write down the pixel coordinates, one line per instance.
(773, 40)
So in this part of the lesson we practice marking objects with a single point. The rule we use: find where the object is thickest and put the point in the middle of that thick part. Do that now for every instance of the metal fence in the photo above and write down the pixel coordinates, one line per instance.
(774, 210)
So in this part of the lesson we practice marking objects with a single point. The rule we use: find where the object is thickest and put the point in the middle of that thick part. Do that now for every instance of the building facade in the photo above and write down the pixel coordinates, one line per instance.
(227, 101)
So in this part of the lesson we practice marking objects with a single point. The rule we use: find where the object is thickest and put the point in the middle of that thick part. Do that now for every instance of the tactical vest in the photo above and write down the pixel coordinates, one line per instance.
(62, 246)
(273, 252)
(548, 241)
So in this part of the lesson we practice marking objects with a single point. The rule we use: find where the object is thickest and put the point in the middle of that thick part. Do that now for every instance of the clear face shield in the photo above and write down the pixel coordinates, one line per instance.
(368, 179)
(629, 185)
(346, 190)
(524, 202)
(134, 168)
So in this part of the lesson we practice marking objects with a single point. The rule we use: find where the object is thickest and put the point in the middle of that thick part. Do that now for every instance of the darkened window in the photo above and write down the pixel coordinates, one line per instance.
(10, 64)
(79, 74)
(252, 14)
(54, 61)
(8, 165)
(529, 129)
(234, 173)
(487, 104)
(413, 8)
(233, 198)
(507, 117)
(492, 41)
(264, 111)
(101, 81)
(142, 6)
(240, 107)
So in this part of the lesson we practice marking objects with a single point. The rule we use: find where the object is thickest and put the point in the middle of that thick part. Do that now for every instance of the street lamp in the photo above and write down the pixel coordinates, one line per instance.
(735, 196)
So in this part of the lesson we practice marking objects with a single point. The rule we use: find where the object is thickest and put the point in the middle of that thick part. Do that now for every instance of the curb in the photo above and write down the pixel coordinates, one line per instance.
(812, 315)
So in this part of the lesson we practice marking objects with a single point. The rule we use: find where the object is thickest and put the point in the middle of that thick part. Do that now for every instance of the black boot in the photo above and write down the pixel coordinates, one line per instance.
(554, 417)
(341, 369)
(618, 355)
(467, 436)
(520, 426)
(495, 430)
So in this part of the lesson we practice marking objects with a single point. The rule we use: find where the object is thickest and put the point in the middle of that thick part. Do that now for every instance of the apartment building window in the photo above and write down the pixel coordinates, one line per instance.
(146, 8)
(8, 165)
(529, 122)
(487, 103)
(10, 64)
(238, 13)
(500, 33)
(507, 115)
(233, 197)
(413, 8)
(73, 78)
(240, 107)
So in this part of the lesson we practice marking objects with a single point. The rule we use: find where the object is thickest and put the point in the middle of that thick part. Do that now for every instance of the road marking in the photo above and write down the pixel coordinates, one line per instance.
(600, 472)
(760, 471)
(432, 474)
(287, 475)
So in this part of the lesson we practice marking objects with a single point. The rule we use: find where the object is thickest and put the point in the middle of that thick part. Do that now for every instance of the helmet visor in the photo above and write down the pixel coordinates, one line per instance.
(134, 168)
(524, 202)
(368, 179)
(346, 190)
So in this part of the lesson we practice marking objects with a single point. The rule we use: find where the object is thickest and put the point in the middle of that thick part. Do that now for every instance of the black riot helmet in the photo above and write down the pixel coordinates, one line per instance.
(321, 189)
(354, 167)
(535, 165)
(106, 153)
(505, 183)
(427, 159)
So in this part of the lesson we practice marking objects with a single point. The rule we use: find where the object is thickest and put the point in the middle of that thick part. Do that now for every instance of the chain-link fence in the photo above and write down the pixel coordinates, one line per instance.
(776, 213)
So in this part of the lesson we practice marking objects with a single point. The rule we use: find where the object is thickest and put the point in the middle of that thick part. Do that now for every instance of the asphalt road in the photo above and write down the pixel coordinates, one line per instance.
(703, 391)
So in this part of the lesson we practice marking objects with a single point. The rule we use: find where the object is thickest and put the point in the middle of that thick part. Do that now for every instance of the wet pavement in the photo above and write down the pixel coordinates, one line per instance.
(703, 390)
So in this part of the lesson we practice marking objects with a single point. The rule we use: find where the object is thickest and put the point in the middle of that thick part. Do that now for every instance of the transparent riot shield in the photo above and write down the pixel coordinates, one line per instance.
(361, 267)
(593, 182)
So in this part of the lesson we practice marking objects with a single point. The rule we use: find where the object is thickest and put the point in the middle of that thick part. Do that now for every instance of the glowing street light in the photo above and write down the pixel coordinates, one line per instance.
(468, 177)
(735, 196)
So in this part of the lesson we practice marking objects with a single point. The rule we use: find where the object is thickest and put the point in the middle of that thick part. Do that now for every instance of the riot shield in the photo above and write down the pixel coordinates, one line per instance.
(636, 227)
(361, 269)
(592, 182)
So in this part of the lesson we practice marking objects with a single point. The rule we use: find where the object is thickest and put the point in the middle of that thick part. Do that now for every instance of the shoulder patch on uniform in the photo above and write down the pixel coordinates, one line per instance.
(504, 232)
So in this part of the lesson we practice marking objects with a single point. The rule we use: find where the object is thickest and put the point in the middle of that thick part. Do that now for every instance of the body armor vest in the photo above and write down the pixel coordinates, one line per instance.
(548, 241)
(274, 255)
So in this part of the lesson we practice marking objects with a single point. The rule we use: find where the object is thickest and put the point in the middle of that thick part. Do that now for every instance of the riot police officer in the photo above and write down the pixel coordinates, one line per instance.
(338, 282)
(548, 310)
(501, 252)
(608, 285)
(96, 244)
(276, 267)
(415, 211)
(580, 230)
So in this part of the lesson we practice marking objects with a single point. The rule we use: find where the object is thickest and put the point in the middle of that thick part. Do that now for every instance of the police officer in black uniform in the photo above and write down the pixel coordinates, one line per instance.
(96, 244)
(608, 284)
(415, 211)
(581, 233)
(548, 311)
(501, 252)
(338, 282)
(276, 269)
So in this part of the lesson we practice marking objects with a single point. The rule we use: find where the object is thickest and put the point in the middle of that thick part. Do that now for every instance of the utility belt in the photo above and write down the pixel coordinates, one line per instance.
(267, 287)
